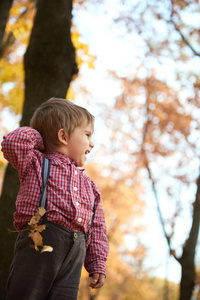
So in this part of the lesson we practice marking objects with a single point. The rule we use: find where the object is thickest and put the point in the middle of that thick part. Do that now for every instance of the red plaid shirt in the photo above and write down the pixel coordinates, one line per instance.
(70, 193)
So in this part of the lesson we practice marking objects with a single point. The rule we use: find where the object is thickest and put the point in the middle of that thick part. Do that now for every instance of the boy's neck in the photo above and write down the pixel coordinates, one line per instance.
(56, 149)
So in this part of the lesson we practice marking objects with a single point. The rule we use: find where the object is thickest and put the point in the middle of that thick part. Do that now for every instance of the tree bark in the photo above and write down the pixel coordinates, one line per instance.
(49, 66)
(5, 6)
(188, 257)
(50, 58)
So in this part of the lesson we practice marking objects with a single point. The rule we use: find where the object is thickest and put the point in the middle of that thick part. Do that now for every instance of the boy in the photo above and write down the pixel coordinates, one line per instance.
(61, 131)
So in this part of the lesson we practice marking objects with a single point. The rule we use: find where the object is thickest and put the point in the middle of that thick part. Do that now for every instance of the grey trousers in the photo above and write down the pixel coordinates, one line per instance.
(49, 275)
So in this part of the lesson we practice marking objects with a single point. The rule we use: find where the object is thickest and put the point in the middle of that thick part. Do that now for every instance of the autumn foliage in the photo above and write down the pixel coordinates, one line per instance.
(153, 133)
(36, 229)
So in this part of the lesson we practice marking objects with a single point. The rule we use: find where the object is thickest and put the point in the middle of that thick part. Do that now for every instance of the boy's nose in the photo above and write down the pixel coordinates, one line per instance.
(91, 144)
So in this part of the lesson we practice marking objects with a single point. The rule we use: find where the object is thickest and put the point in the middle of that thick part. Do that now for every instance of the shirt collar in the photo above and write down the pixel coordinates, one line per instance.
(61, 157)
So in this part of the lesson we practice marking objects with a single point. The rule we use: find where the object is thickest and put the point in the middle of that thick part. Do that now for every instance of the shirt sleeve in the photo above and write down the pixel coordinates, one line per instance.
(97, 250)
(18, 147)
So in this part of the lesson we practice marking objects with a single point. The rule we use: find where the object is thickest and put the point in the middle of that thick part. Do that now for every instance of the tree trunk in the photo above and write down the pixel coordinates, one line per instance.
(5, 6)
(7, 206)
(188, 256)
(49, 67)
(50, 57)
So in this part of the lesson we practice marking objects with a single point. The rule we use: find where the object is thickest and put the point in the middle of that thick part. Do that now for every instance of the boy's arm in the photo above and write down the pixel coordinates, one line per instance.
(18, 147)
(97, 250)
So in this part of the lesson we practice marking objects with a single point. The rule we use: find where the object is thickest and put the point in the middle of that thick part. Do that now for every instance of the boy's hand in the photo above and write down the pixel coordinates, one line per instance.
(97, 281)
(41, 147)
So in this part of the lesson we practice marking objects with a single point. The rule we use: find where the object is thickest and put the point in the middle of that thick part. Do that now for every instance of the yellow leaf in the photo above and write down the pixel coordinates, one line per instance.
(46, 249)
(42, 211)
(35, 231)
(40, 228)
(36, 237)
(70, 94)
(34, 220)
(34, 247)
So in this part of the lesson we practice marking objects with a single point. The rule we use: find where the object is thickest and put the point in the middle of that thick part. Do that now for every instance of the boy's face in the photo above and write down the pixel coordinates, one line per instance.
(79, 144)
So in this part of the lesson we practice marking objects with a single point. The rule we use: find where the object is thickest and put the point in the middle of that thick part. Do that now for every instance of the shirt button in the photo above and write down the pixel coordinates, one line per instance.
(77, 203)
(75, 189)
(79, 220)
(75, 172)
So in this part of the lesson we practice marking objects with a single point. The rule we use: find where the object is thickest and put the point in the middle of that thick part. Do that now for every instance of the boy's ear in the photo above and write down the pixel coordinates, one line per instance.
(62, 136)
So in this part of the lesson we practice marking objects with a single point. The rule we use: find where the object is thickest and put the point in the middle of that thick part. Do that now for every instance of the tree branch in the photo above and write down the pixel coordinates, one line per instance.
(146, 162)
(180, 33)
(184, 39)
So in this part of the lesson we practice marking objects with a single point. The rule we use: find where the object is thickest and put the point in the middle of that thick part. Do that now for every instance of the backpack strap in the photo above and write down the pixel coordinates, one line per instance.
(46, 164)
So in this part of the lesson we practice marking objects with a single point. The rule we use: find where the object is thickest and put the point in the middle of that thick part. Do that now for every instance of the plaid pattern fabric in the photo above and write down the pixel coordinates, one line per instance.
(70, 193)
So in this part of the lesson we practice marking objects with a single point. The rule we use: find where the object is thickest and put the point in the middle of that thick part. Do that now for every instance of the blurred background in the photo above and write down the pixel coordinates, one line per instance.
(135, 66)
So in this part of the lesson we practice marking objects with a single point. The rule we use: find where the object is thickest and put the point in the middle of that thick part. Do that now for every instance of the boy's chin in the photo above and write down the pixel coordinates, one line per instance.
(81, 164)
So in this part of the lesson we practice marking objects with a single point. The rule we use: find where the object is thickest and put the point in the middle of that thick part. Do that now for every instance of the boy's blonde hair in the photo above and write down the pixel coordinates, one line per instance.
(55, 114)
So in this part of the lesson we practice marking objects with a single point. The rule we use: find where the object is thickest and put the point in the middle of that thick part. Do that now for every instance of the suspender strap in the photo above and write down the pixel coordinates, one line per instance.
(92, 220)
(46, 164)
(45, 176)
